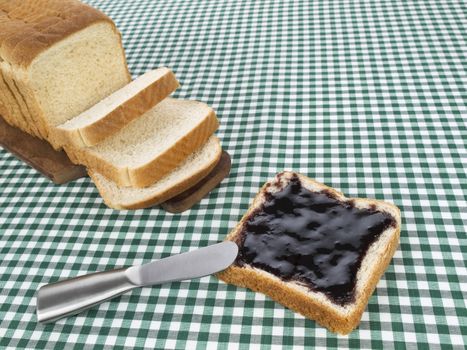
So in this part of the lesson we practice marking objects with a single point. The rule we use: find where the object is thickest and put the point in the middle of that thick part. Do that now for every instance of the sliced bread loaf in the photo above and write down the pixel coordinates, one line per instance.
(187, 174)
(313, 250)
(149, 147)
(60, 57)
(118, 109)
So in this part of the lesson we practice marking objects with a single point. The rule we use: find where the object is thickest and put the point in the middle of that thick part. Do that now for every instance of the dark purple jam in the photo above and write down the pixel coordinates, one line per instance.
(311, 237)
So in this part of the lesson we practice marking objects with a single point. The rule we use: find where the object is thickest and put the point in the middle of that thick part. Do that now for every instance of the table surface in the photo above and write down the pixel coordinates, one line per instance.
(366, 96)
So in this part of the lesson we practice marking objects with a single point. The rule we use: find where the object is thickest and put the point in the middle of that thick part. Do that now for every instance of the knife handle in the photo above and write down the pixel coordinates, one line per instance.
(71, 296)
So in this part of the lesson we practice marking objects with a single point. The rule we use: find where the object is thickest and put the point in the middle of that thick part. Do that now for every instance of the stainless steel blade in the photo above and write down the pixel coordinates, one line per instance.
(194, 264)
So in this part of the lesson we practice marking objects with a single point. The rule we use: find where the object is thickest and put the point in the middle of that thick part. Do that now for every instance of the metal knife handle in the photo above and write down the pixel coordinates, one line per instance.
(72, 296)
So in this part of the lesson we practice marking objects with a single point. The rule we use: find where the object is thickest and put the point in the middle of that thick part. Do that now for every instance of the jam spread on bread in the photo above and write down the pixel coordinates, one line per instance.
(312, 238)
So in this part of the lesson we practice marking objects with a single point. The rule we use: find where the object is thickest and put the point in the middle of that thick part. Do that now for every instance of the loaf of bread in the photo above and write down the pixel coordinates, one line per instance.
(186, 175)
(118, 109)
(313, 250)
(58, 59)
(64, 78)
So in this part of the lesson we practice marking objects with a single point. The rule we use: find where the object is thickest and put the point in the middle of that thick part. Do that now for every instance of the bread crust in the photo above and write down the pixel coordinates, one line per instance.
(99, 130)
(155, 169)
(39, 24)
(164, 195)
(304, 301)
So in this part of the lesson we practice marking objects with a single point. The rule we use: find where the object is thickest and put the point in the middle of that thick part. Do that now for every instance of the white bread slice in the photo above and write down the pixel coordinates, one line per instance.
(61, 57)
(187, 174)
(152, 145)
(296, 296)
(117, 110)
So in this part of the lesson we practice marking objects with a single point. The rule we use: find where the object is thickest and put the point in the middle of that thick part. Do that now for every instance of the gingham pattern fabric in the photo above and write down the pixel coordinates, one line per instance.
(367, 96)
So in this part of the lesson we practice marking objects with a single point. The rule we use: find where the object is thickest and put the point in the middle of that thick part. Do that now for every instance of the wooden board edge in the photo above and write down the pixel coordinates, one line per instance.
(39, 154)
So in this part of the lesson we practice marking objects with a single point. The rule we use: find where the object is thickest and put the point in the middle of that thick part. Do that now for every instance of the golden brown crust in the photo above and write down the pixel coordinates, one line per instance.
(147, 98)
(299, 300)
(38, 24)
(169, 192)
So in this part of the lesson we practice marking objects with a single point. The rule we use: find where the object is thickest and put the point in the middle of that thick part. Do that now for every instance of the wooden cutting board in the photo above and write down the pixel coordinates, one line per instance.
(57, 166)
(39, 154)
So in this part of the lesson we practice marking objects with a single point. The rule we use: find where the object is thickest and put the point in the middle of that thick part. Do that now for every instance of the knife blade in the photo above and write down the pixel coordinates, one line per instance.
(197, 263)
(71, 296)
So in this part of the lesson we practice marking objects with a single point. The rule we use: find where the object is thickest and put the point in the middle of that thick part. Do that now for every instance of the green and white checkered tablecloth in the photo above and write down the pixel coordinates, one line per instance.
(368, 96)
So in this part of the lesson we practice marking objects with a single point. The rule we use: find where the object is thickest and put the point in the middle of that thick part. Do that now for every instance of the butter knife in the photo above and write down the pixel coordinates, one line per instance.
(71, 296)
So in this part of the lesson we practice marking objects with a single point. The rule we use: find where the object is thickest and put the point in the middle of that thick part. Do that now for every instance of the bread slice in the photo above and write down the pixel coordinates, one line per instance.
(190, 172)
(115, 111)
(338, 315)
(152, 145)
(20, 101)
(60, 57)
(10, 109)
